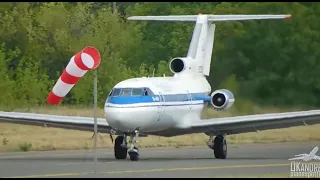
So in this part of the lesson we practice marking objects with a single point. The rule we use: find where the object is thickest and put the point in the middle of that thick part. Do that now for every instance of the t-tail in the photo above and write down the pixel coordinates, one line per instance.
(199, 55)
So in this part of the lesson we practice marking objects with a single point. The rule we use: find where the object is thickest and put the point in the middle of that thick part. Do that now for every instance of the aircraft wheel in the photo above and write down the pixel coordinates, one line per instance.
(220, 147)
(119, 151)
(134, 154)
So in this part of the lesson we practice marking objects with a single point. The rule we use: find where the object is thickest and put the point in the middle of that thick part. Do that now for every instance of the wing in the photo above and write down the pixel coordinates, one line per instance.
(66, 122)
(251, 123)
(301, 155)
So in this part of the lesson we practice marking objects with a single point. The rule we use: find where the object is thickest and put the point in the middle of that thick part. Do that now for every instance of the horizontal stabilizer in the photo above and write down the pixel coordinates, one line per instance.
(211, 18)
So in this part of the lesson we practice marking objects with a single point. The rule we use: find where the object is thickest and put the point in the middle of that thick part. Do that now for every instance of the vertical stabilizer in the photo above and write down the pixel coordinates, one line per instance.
(200, 49)
(208, 50)
(199, 55)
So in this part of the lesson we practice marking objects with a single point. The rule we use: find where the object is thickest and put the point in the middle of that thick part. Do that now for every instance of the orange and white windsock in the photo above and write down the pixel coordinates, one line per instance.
(86, 59)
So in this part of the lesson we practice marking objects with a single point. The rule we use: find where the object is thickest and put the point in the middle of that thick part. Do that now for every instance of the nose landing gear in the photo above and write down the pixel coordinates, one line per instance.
(121, 148)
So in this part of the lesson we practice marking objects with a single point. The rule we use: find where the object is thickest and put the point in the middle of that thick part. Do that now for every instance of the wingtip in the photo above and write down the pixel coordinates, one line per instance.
(288, 16)
(131, 18)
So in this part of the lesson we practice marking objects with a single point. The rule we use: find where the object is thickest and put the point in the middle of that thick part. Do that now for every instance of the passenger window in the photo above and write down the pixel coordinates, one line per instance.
(125, 92)
(137, 92)
(115, 92)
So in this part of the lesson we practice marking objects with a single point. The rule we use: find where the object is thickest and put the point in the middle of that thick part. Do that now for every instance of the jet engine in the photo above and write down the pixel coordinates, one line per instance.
(222, 99)
(177, 65)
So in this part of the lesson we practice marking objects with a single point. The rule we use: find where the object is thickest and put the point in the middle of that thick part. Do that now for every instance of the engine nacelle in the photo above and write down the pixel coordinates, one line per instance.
(222, 99)
(177, 65)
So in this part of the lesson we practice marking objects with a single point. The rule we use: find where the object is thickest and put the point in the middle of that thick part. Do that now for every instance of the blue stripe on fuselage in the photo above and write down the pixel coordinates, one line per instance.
(158, 98)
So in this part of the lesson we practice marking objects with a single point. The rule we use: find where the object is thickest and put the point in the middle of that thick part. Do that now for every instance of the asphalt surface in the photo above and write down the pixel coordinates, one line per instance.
(242, 161)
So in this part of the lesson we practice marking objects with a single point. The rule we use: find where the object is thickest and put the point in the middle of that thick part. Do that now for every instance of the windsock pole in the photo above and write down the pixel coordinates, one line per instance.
(95, 99)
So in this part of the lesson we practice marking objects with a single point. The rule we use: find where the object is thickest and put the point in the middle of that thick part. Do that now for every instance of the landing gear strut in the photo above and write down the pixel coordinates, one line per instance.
(134, 151)
(219, 146)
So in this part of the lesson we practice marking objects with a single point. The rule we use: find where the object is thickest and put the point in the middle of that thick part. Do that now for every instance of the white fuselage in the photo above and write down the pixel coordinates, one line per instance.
(171, 99)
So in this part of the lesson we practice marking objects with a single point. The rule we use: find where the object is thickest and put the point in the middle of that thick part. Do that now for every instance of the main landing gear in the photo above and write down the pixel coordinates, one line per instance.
(219, 146)
(121, 148)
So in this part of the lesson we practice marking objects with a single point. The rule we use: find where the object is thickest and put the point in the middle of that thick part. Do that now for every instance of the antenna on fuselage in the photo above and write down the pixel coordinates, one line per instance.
(164, 75)
(153, 73)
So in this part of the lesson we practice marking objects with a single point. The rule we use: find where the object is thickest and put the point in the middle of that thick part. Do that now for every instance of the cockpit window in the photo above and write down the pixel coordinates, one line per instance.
(115, 92)
(147, 92)
(110, 93)
(131, 92)
(136, 92)
(125, 92)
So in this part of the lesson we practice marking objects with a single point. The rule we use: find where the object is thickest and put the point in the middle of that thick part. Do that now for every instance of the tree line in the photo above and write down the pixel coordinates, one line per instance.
(270, 62)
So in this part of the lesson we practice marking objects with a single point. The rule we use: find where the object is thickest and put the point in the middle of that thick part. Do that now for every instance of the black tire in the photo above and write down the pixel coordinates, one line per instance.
(220, 147)
(134, 155)
(119, 151)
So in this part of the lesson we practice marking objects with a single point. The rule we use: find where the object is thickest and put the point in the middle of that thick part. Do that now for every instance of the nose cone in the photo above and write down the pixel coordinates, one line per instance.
(120, 119)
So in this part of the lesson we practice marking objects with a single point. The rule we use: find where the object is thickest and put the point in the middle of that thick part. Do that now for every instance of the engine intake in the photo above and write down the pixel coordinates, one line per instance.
(177, 65)
(222, 99)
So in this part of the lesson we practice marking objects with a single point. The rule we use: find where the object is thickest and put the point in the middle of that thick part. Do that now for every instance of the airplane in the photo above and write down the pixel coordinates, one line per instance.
(308, 157)
(172, 106)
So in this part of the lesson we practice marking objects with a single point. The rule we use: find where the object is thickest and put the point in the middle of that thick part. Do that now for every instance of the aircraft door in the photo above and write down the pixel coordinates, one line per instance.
(161, 106)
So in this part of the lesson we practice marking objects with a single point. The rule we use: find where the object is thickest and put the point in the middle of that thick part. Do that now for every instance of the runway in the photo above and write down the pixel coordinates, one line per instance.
(242, 161)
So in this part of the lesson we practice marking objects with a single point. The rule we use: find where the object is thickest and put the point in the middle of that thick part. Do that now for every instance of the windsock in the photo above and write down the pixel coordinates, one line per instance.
(86, 59)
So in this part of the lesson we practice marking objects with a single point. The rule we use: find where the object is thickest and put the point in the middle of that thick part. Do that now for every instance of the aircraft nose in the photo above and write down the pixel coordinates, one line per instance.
(118, 119)
(113, 114)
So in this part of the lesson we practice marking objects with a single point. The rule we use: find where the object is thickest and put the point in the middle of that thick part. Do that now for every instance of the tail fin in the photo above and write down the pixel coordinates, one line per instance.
(201, 45)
